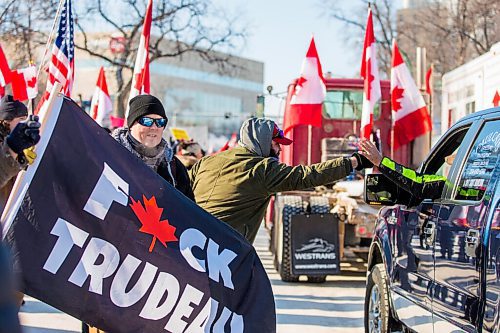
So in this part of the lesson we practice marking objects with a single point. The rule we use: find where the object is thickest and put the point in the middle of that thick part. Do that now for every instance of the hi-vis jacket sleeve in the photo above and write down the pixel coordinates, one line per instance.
(279, 177)
(419, 185)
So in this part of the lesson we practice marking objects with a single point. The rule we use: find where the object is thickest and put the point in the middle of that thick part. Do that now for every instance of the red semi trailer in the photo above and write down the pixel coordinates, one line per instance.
(312, 231)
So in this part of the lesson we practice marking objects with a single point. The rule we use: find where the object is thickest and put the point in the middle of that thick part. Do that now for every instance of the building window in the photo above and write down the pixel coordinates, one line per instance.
(470, 107)
(222, 114)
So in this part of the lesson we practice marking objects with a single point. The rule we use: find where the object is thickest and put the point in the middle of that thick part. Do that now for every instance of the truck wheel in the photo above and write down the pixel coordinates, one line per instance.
(292, 205)
(316, 279)
(377, 311)
(319, 205)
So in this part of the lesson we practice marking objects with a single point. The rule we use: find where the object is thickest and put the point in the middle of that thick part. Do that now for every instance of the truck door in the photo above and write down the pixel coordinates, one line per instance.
(413, 239)
(459, 231)
(491, 293)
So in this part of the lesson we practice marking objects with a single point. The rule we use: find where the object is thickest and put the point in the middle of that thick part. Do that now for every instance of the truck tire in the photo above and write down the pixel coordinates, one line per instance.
(292, 205)
(319, 205)
(377, 309)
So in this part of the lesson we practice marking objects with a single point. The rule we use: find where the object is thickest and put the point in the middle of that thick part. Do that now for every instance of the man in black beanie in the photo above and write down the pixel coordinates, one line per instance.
(11, 108)
(143, 137)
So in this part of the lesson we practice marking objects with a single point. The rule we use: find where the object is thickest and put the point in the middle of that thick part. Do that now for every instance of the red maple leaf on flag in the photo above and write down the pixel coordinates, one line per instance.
(396, 95)
(150, 216)
(370, 77)
(31, 83)
(301, 81)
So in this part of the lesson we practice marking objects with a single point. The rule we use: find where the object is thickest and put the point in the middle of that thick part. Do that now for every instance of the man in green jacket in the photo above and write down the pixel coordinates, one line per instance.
(236, 185)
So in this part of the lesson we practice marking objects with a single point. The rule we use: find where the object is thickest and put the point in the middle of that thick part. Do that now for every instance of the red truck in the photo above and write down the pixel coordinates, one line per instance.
(312, 231)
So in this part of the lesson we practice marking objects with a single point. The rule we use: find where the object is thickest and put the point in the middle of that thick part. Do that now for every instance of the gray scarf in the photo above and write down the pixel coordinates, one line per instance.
(152, 156)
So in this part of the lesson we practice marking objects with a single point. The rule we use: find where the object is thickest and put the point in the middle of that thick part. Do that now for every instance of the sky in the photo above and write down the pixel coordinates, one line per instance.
(279, 35)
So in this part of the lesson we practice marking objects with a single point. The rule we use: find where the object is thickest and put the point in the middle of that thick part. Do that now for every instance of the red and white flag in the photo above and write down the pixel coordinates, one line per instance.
(140, 79)
(410, 115)
(306, 102)
(24, 85)
(101, 106)
(4, 69)
(369, 72)
(2, 91)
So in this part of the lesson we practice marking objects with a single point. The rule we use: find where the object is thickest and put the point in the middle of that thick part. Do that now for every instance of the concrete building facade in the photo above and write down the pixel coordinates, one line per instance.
(194, 92)
(472, 87)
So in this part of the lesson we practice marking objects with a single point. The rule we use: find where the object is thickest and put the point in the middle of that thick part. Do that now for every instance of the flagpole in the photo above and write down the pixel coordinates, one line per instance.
(309, 144)
(49, 40)
(431, 93)
(31, 104)
(392, 142)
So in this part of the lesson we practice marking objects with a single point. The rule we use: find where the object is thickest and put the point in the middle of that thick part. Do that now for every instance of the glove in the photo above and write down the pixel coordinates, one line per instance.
(363, 162)
(30, 155)
(24, 135)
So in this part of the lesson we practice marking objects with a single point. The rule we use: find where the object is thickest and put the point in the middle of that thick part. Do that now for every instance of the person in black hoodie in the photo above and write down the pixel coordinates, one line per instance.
(146, 122)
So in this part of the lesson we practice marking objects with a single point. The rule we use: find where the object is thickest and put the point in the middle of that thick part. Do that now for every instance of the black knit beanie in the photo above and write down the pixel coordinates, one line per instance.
(11, 108)
(143, 105)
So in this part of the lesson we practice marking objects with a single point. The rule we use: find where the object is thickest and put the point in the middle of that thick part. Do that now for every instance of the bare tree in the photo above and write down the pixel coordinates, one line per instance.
(453, 32)
(384, 24)
(179, 27)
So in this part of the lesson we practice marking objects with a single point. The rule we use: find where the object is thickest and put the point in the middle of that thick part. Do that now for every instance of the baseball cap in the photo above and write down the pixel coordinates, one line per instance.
(279, 137)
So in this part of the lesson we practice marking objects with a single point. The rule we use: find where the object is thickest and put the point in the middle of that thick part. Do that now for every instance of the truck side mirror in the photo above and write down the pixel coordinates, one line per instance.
(379, 190)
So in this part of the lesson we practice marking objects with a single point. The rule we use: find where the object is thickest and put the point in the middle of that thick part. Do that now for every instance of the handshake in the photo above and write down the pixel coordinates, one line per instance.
(24, 135)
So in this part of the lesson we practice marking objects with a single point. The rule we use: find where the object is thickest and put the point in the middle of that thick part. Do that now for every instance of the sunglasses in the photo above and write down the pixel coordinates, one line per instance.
(148, 122)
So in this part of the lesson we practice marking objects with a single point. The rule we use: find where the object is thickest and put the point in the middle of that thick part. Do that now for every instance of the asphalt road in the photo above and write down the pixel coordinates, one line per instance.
(333, 306)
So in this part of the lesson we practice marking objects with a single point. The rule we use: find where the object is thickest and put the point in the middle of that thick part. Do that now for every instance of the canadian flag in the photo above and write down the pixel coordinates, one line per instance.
(409, 113)
(24, 85)
(307, 100)
(369, 72)
(140, 79)
(101, 106)
(4, 70)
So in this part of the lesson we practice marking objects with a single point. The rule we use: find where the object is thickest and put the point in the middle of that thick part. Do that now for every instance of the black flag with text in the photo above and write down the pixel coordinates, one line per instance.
(97, 234)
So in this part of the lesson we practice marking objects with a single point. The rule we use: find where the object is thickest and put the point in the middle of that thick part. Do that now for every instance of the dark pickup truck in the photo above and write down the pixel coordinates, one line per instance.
(434, 266)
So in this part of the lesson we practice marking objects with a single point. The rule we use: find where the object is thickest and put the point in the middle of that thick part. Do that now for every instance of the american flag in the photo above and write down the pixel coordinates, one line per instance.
(62, 64)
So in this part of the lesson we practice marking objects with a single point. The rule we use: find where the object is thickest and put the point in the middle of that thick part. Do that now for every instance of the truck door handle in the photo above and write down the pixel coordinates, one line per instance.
(429, 232)
(471, 242)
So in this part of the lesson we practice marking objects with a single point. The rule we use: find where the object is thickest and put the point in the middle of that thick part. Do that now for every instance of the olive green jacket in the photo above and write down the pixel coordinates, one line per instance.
(236, 185)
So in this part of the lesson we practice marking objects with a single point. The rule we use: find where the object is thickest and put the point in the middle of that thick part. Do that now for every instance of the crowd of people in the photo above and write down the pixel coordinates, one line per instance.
(235, 185)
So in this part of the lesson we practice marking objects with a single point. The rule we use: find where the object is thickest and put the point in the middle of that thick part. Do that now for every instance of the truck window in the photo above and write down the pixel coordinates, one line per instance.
(345, 104)
(441, 161)
(480, 163)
